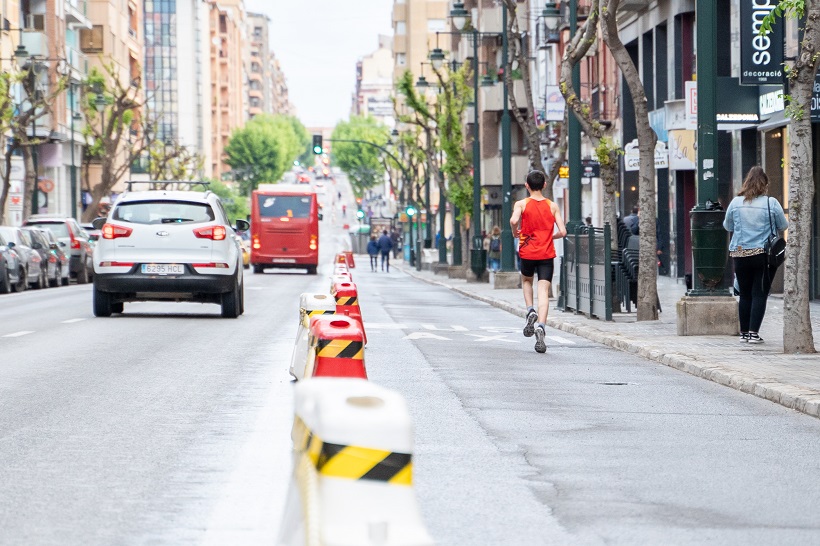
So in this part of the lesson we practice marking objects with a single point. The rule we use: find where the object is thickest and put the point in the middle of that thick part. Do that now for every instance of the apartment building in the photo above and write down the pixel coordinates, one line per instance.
(280, 96)
(415, 23)
(229, 91)
(176, 74)
(260, 73)
(374, 84)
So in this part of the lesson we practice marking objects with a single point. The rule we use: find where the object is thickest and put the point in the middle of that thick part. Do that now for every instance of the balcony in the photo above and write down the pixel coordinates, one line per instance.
(491, 170)
(490, 20)
(77, 61)
(255, 93)
(492, 98)
(633, 5)
(76, 14)
(399, 12)
(36, 42)
(399, 44)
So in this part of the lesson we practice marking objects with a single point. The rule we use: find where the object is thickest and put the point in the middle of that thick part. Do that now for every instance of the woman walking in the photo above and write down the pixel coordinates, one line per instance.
(751, 217)
(373, 252)
(494, 249)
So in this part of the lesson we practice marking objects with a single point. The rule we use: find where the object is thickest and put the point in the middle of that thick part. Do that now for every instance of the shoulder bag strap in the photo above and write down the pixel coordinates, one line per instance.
(769, 206)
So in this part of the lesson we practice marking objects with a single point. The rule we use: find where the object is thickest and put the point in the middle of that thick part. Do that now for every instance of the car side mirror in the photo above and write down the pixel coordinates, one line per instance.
(11, 245)
(242, 225)
(321, 216)
(36, 246)
(62, 244)
(98, 223)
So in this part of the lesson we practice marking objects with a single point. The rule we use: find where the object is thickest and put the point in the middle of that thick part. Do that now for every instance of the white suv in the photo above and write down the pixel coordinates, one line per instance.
(168, 246)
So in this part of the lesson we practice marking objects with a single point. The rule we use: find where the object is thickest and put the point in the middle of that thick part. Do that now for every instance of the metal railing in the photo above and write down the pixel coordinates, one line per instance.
(586, 272)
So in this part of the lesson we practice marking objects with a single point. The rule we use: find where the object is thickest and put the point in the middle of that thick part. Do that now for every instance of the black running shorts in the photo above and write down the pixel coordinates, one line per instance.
(544, 268)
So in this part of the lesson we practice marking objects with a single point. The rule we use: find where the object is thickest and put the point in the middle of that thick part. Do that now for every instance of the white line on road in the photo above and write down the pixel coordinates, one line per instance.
(452, 328)
(562, 340)
(425, 335)
(73, 320)
(503, 338)
(383, 326)
(19, 334)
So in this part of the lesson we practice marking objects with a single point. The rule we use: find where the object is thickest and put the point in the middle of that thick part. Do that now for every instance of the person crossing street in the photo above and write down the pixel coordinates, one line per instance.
(534, 221)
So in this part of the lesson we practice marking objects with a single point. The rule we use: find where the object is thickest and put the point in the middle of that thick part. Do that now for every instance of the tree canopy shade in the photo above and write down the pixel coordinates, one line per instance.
(362, 163)
(264, 148)
(237, 206)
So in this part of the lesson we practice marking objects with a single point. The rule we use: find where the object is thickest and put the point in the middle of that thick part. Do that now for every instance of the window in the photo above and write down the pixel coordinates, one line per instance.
(436, 25)
(401, 59)
(164, 212)
(401, 28)
(284, 206)
(91, 40)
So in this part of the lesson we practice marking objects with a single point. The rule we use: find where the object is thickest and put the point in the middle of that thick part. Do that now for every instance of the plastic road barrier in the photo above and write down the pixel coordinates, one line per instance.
(351, 262)
(341, 268)
(347, 302)
(340, 278)
(341, 258)
(335, 348)
(310, 305)
(352, 481)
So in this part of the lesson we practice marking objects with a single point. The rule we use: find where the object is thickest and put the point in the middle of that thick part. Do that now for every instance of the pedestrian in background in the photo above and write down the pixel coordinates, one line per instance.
(373, 252)
(395, 238)
(633, 221)
(535, 220)
(751, 217)
(494, 252)
(385, 246)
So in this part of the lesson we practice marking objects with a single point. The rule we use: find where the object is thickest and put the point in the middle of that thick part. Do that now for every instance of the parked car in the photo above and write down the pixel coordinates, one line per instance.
(12, 274)
(68, 231)
(168, 246)
(49, 262)
(93, 233)
(18, 240)
(244, 239)
(59, 250)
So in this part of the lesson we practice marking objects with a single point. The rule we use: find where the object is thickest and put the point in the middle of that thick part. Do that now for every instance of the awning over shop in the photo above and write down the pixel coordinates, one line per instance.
(778, 119)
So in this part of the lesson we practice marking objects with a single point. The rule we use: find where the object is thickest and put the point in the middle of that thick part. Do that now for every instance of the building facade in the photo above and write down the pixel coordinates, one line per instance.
(374, 84)
(280, 97)
(260, 74)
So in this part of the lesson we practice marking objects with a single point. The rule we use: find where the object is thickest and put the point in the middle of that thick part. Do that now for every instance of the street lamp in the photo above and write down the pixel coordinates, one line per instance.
(551, 16)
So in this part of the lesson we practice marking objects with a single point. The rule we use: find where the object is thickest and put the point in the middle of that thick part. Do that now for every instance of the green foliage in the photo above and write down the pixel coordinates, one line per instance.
(785, 8)
(236, 205)
(264, 148)
(455, 95)
(361, 162)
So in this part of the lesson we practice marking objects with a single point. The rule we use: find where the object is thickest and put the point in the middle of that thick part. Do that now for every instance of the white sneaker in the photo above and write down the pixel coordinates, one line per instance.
(529, 328)
(755, 338)
(540, 346)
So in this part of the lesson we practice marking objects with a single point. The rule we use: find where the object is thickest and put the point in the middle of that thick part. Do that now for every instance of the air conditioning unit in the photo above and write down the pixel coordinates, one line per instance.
(36, 21)
(633, 5)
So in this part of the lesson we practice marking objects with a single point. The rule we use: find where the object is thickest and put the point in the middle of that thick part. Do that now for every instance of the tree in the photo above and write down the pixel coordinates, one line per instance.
(647, 264)
(603, 140)
(27, 95)
(264, 148)
(110, 130)
(172, 161)
(518, 55)
(797, 330)
(361, 162)
(236, 205)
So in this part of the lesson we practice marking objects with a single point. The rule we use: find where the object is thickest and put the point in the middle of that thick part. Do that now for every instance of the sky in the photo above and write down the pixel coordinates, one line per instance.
(318, 43)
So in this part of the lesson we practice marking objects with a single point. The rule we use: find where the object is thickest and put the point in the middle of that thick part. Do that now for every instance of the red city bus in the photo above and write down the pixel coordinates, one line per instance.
(284, 227)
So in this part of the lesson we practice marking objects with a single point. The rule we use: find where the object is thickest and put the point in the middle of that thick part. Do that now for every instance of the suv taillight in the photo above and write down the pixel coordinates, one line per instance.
(111, 231)
(75, 243)
(216, 233)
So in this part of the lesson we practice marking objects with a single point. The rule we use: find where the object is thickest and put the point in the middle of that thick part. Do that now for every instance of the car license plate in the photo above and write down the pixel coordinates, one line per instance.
(284, 260)
(163, 269)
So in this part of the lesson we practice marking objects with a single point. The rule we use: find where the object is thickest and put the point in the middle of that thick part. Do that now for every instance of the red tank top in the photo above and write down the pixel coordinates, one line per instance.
(537, 226)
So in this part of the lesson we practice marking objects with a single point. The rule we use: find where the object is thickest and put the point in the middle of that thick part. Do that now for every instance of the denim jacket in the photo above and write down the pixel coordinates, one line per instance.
(749, 221)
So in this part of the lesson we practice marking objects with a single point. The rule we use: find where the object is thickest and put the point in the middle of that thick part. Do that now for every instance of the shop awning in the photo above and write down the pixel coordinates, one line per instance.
(778, 119)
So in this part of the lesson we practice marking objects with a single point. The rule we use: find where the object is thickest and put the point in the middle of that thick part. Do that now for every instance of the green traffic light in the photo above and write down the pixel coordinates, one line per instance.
(317, 150)
(360, 214)
(411, 211)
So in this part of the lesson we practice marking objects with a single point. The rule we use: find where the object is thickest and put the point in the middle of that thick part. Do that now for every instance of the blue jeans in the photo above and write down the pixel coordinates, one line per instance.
(495, 264)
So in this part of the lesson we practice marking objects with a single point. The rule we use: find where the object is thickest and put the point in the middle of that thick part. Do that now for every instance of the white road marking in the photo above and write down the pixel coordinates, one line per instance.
(501, 329)
(562, 340)
(425, 335)
(73, 320)
(452, 328)
(19, 334)
(480, 338)
(383, 326)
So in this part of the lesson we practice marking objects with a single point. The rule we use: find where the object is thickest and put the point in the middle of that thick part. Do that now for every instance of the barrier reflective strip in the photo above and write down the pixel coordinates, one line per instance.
(354, 462)
(347, 300)
(340, 348)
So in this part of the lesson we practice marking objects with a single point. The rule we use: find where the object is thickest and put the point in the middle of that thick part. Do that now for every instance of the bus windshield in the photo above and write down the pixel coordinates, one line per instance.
(279, 206)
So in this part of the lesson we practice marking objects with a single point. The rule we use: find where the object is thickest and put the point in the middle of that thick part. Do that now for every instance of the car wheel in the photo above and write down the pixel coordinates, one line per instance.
(230, 302)
(82, 275)
(5, 284)
(55, 282)
(258, 268)
(311, 270)
(102, 303)
(38, 284)
(44, 278)
(66, 280)
(118, 307)
(22, 280)
(242, 299)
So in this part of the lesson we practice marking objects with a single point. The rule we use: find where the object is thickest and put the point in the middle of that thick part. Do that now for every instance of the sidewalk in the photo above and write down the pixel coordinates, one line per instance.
(792, 381)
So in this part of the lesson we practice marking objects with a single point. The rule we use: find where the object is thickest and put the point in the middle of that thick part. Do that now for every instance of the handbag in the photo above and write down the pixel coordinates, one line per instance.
(775, 245)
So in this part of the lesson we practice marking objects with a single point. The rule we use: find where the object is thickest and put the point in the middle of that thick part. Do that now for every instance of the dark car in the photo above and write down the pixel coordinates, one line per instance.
(49, 268)
(68, 231)
(30, 259)
(60, 252)
(12, 274)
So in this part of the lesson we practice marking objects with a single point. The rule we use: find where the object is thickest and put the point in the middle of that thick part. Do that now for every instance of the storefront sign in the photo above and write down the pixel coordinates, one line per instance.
(772, 102)
(761, 56)
(632, 159)
(676, 117)
(691, 97)
(591, 169)
(682, 154)
(815, 100)
(555, 104)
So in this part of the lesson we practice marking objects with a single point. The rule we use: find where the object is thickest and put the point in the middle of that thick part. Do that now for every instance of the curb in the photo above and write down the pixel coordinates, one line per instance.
(790, 396)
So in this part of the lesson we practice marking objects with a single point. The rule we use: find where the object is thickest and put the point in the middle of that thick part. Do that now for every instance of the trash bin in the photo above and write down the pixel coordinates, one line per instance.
(478, 257)
(710, 251)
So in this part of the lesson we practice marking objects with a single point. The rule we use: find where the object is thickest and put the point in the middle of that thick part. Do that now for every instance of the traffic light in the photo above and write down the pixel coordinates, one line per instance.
(411, 211)
(317, 144)
(360, 214)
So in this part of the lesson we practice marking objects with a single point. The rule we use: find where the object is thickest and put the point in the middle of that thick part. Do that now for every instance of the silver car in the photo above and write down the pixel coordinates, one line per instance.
(78, 247)
(19, 240)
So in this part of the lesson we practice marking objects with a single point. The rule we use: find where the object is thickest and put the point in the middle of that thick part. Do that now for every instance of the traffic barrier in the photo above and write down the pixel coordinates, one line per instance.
(310, 305)
(335, 348)
(352, 481)
(351, 262)
(340, 278)
(342, 268)
(341, 258)
(347, 302)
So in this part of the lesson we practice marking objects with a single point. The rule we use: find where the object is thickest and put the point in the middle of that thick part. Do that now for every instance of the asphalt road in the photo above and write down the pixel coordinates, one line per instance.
(170, 425)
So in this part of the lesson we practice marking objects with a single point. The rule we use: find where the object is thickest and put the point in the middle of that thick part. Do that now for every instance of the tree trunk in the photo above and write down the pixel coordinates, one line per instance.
(6, 185)
(797, 329)
(648, 260)
(609, 181)
(30, 185)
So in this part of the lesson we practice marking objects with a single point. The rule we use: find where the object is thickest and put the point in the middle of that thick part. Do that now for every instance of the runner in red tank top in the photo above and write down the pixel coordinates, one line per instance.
(534, 221)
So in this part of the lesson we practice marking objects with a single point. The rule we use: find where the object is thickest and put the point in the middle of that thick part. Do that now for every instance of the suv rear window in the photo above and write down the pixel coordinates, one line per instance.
(278, 206)
(59, 229)
(164, 212)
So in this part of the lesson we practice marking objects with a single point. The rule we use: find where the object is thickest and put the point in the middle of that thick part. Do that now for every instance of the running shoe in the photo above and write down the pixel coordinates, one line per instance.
(540, 346)
(754, 338)
(529, 329)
